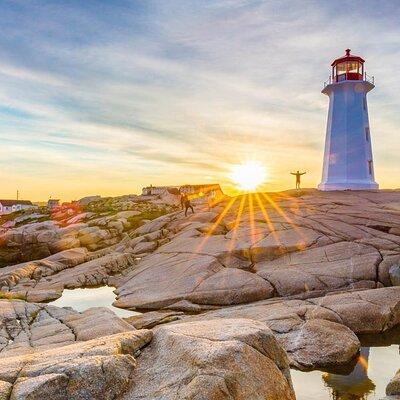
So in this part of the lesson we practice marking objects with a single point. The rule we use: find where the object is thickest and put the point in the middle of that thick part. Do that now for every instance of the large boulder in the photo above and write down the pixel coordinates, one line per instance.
(231, 359)
(175, 277)
(365, 311)
(320, 344)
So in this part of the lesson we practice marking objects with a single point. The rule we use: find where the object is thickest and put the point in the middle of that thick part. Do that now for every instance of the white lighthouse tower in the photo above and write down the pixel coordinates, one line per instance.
(348, 163)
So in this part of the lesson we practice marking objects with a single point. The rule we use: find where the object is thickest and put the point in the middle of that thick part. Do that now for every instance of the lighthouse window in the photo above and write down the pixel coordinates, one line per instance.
(341, 68)
(367, 134)
(370, 167)
(365, 103)
(353, 67)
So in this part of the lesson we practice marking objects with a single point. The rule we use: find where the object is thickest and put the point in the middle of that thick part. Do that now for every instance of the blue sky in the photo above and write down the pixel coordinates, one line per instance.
(103, 97)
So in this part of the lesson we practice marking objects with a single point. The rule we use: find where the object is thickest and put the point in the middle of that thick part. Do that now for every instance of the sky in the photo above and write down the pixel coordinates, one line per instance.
(105, 97)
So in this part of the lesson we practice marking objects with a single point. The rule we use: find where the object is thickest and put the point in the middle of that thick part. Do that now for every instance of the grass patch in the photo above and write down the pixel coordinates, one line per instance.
(10, 217)
(30, 221)
(11, 296)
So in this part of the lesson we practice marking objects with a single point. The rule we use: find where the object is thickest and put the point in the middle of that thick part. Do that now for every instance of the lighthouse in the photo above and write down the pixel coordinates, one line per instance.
(348, 162)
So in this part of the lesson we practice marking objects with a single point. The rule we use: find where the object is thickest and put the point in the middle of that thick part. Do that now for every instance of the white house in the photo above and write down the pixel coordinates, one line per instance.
(9, 206)
(53, 203)
(348, 162)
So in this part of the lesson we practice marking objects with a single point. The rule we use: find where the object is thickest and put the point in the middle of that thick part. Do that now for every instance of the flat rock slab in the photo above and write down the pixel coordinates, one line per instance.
(313, 244)
(28, 327)
(45, 280)
(152, 318)
(230, 359)
(335, 266)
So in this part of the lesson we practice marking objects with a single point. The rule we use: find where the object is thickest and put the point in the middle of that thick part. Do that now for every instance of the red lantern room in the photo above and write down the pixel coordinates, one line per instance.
(348, 68)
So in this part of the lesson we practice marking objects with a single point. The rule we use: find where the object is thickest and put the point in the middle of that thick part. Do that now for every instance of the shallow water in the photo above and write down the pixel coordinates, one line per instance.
(82, 299)
(368, 380)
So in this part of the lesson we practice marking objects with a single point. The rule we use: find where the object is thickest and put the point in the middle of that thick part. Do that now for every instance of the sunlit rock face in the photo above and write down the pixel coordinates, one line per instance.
(50, 351)
(239, 251)
(284, 246)
(317, 268)
(27, 327)
(231, 359)
(320, 332)
(66, 355)
(94, 224)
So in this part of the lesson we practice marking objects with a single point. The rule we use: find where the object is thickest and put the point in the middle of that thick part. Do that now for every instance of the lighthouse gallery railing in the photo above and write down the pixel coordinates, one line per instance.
(366, 78)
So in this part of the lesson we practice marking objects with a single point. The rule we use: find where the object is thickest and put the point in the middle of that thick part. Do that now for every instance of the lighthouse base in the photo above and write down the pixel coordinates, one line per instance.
(329, 186)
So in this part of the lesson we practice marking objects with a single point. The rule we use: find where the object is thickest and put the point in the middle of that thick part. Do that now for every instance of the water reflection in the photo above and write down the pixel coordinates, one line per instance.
(82, 299)
(358, 384)
(355, 386)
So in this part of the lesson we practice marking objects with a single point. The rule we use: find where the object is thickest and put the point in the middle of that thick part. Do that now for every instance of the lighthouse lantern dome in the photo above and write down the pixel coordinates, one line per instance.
(348, 68)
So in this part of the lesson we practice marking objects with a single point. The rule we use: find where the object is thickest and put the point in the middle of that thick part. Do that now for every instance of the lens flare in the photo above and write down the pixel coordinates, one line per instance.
(248, 176)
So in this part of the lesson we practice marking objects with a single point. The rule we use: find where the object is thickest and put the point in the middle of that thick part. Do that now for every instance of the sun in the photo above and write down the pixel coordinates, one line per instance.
(248, 176)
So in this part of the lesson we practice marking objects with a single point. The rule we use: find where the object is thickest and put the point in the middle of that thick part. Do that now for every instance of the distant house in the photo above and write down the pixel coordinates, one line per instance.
(53, 203)
(9, 206)
(210, 191)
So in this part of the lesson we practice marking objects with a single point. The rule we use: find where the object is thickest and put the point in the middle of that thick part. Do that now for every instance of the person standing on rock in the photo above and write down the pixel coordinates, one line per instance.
(298, 174)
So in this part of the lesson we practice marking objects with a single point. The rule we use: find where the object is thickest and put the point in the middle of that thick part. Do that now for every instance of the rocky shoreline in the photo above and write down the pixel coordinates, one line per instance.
(231, 296)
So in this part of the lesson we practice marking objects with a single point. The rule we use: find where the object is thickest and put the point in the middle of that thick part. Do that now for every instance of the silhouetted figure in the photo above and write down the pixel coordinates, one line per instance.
(185, 202)
(183, 199)
(298, 174)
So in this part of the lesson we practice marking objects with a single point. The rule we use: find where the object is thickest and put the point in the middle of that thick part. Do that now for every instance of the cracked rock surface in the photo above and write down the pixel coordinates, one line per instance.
(27, 327)
(321, 332)
(231, 359)
(57, 352)
(100, 368)
(50, 351)
(311, 269)
(241, 250)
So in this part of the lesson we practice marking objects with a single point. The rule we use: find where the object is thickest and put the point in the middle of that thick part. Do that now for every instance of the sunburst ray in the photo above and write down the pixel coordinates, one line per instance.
(220, 218)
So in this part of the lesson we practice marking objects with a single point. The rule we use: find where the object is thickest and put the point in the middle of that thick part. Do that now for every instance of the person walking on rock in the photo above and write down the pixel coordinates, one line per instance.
(298, 174)
(185, 202)
(183, 198)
